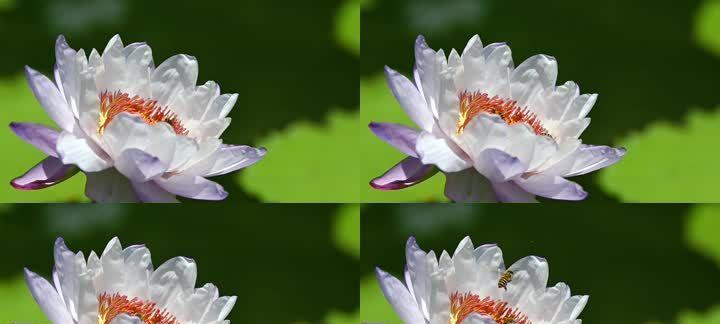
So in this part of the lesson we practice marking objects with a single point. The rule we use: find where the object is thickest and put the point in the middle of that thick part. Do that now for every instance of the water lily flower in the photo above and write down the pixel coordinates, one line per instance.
(121, 287)
(137, 132)
(474, 287)
(496, 131)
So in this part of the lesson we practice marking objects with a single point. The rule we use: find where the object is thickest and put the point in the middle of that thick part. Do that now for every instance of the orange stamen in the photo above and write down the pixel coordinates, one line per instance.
(110, 306)
(114, 103)
(473, 103)
(463, 305)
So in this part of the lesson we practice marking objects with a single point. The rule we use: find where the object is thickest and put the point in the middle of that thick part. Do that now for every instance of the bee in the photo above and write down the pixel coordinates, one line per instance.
(505, 279)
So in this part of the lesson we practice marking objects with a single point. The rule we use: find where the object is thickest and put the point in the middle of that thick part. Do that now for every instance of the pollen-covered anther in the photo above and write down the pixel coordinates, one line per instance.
(111, 306)
(464, 305)
(114, 103)
(474, 103)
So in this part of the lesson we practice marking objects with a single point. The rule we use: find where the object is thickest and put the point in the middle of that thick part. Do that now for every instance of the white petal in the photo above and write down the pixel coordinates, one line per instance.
(139, 67)
(177, 73)
(197, 304)
(80, 151)
(439, 298)
(419, 273)
(115, 76)
(228, 159)
(219, 309)
(67, 272)
(138, 267)
(171, 278)
(113, 264)
(585, 159)
(441, 152)
(464, 264)
(127, 131)
(571, 308)
(474, 46)
(550, 302)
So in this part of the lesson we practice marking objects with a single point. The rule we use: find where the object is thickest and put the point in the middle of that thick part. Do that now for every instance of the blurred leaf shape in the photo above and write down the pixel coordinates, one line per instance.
(19, 104)
(374, 307)
(16, 303)
(692, 317)
(326, 163)
(347, 26)
(669, 163)
(701, 232)
(707, 26)
(346, 230)
(7, 4)
(335, 317)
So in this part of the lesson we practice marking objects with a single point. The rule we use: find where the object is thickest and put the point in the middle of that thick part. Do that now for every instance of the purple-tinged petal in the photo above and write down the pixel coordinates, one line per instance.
(468, 186)
(109, 186)
(48, 172)
(50, 99)
(410, 99)
(399, 298)
(229, 158)
(47, 298)
(498, 166)
(441, 152)
(42, 137)
(510, 192)
(149, 191)
(410, 171)
(194, 187)
(588, 158)
(399, 136)
(553, 187)
(139, 166)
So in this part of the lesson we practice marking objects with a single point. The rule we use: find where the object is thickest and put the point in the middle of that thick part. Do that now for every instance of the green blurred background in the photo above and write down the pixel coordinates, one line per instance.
(292, 64)
(640, 263)
(654, 64)
(286, 263)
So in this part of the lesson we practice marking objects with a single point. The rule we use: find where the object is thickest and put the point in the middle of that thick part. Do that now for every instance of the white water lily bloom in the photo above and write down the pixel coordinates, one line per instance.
(474, 287)
(484, 122)
(138, 132)
(121, 287)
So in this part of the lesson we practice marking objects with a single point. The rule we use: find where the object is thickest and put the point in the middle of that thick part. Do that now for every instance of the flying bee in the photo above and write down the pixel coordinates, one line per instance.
(505, 279)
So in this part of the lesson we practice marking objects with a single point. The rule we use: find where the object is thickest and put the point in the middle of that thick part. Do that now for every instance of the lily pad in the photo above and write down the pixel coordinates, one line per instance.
(669, 163)
(335, 162)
